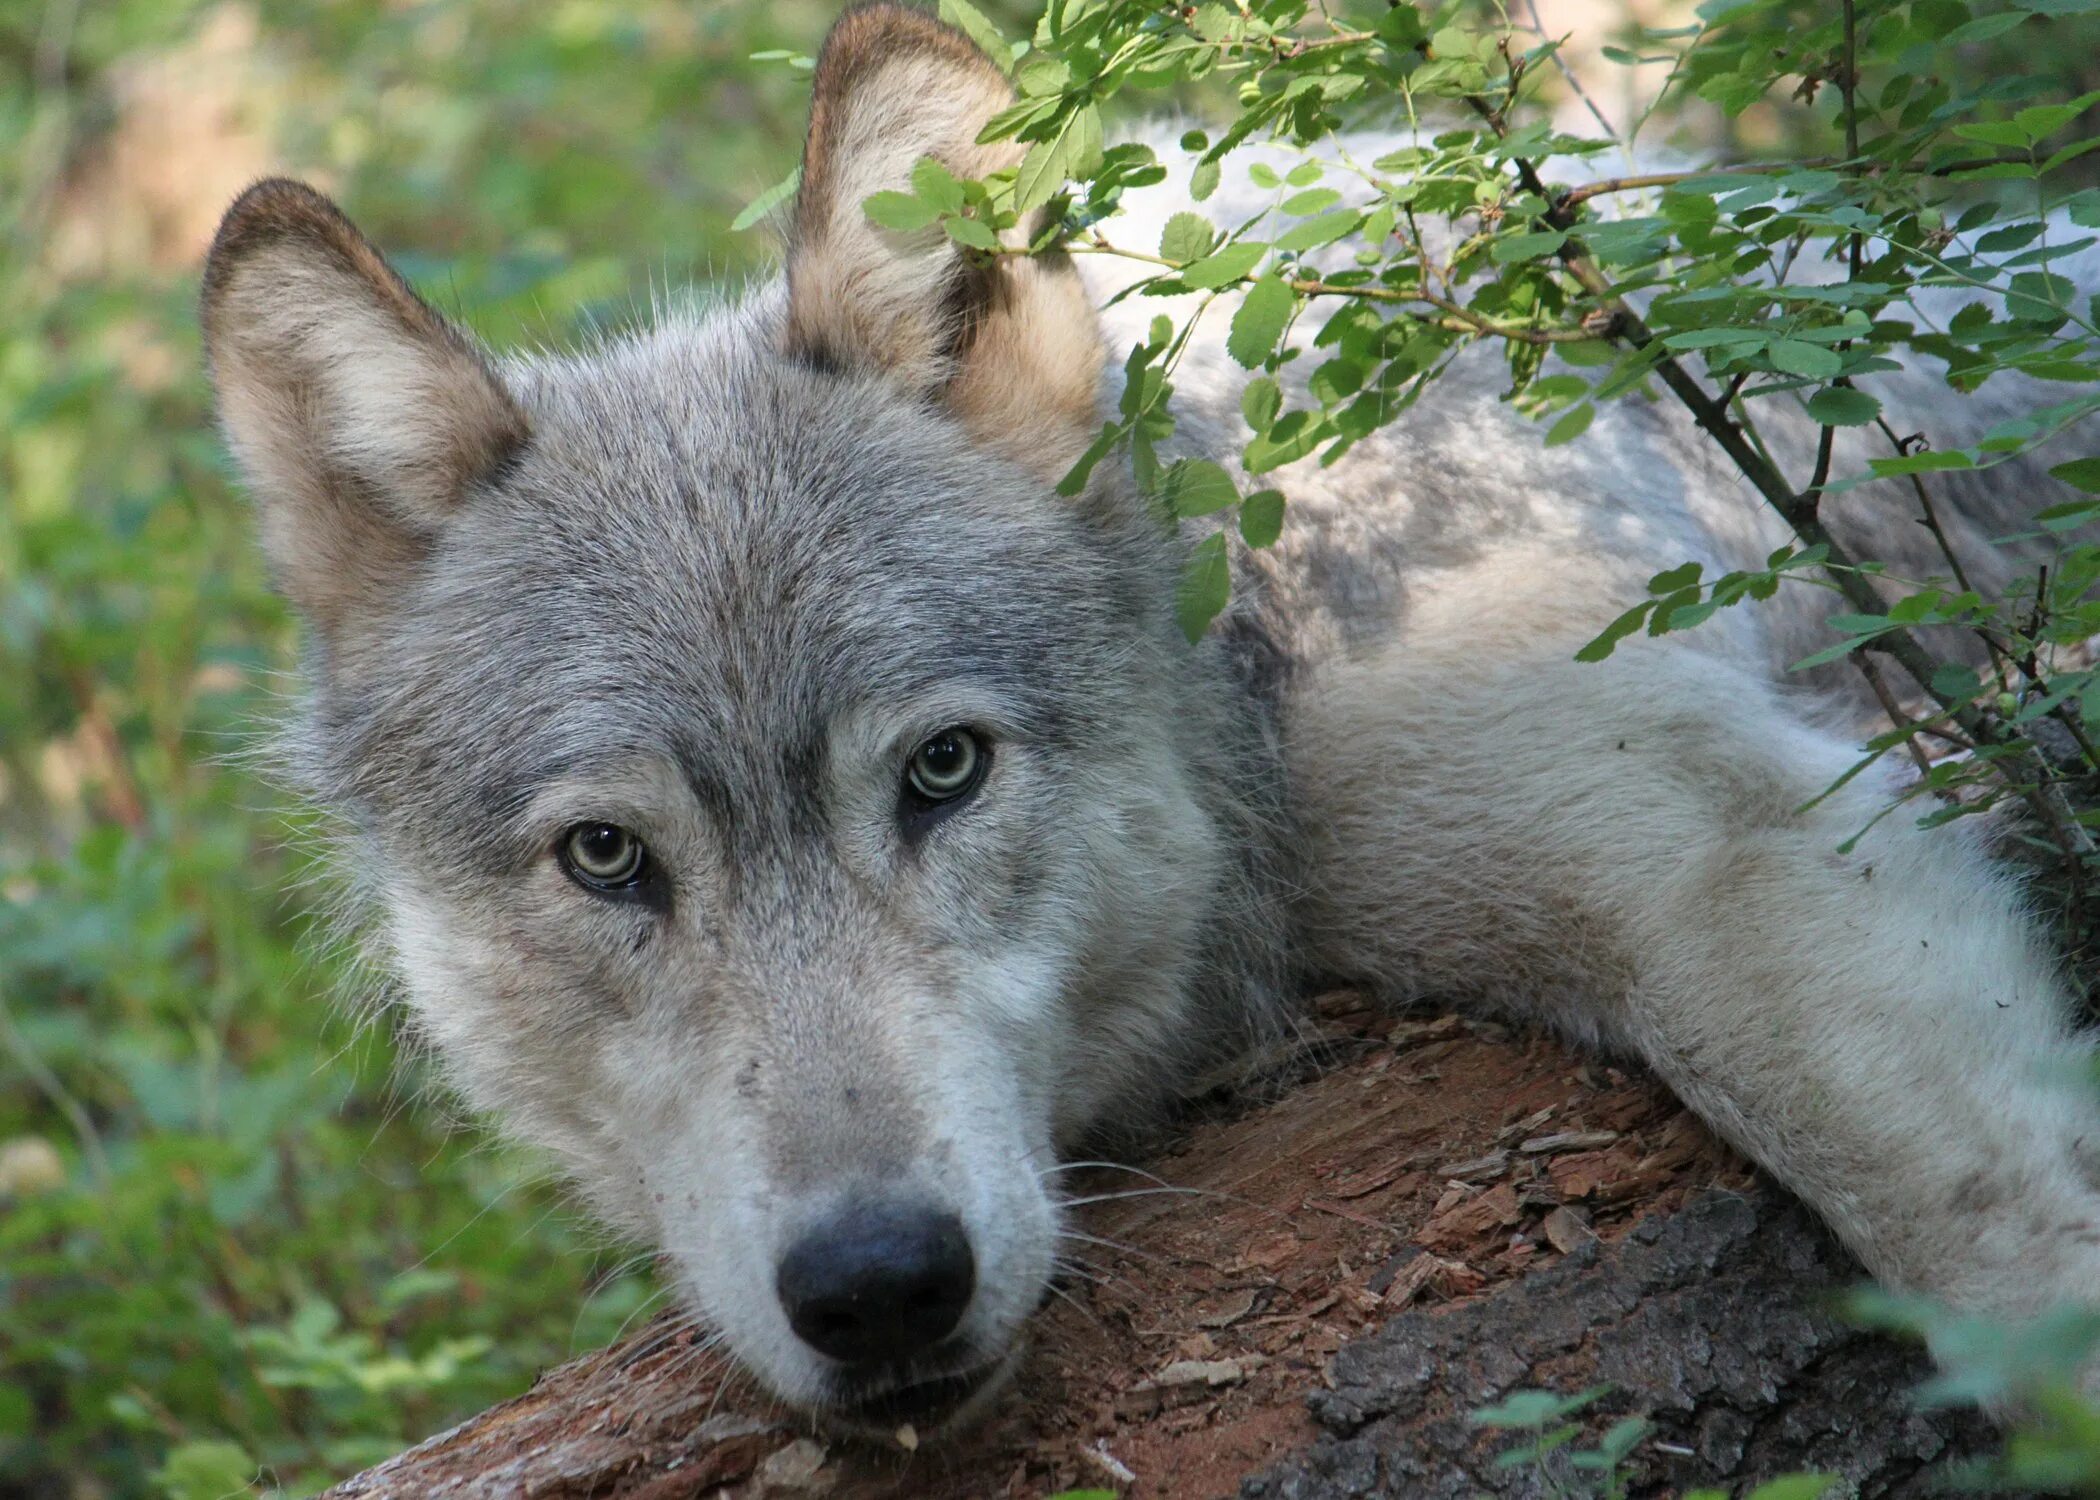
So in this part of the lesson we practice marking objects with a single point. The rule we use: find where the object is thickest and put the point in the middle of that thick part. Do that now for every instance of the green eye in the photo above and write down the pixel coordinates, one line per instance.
(946, 766)
(603, 856)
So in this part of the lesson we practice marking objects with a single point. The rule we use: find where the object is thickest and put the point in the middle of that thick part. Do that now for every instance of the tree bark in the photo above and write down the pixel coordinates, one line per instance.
(1714, 1323)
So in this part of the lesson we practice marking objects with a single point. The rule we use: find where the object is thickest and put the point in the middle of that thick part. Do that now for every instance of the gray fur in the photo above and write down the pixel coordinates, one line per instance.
(721, 589)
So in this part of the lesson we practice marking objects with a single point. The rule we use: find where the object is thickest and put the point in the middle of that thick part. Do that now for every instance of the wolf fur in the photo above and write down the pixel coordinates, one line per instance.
(714, 581)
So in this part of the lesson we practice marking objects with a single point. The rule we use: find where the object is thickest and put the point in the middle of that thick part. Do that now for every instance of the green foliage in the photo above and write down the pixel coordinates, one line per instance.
(237, 1249)
(1733, 289)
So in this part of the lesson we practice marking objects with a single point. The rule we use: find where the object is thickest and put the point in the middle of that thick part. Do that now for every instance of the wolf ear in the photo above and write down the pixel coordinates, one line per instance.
(1008, 347)
(359, 415)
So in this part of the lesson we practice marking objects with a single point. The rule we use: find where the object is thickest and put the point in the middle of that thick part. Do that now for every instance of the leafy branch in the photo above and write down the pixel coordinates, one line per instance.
(1460, 236)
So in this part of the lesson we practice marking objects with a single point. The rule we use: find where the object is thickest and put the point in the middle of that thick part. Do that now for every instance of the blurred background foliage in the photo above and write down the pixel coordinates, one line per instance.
(237, 1239)
(230, 1230)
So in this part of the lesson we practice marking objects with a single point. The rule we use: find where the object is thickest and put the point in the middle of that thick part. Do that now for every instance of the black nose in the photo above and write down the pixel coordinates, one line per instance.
(878, 1281)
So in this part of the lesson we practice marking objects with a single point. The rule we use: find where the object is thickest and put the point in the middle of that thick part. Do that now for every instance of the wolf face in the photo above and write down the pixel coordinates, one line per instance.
(774, 800)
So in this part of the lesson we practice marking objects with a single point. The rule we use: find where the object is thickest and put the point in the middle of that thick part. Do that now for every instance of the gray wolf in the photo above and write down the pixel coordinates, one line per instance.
(780, 806)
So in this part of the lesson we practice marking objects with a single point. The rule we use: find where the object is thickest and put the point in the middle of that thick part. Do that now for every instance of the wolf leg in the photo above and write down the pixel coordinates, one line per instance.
(1621, 850)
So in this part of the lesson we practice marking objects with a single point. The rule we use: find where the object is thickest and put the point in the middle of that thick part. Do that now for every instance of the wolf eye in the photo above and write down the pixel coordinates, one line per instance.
(603, 856)
(946, 766)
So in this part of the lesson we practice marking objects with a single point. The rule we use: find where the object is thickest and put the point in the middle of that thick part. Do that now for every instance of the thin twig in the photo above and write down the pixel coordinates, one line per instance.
(1898, 719)
(1931, 521)
(1560, 63)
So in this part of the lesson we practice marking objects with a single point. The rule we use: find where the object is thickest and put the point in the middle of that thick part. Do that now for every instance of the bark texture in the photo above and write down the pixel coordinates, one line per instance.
(1713, 1322)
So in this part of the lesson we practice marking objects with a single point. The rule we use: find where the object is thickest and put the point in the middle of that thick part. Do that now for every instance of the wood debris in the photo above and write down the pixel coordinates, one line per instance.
(797, 1469)
(1478, 1169)
(1568, 1140)
(1567, 1229)
(1211, 1372)
(1414, 1279)
(1098, 1455)
(1517, 1129)
(1406, 1033)
(1464, 1225)
(1363, 1187)
(1231, 1309)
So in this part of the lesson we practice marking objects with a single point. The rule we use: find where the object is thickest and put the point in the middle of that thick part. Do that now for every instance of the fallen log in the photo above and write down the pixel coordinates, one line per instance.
(1303, 1295)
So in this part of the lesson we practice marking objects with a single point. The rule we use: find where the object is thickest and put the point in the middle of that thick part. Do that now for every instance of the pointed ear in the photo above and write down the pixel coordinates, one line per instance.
(359, 416)
(1012, 348)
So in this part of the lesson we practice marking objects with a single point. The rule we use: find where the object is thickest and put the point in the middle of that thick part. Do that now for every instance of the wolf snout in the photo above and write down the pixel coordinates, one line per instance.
(878, 1282)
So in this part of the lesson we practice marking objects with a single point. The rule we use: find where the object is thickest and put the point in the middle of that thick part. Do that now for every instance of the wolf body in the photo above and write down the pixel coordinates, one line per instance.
(730, 591)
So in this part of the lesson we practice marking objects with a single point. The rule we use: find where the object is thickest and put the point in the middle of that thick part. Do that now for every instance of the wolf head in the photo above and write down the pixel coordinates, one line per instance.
(774, 800)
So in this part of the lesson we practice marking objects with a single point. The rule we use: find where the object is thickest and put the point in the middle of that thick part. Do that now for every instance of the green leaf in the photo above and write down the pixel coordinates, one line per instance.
(936, 186)
(1811, 361)
(1041, 74)
(1204, 180)
(1261, 518)
(1734, 339)
(1854, 640)
(2079, 473)
(1955, 680)
(1206, 587)
(1625, 1435)
(766, 202)
(1072, 151)
(1226, 265)
(900, 211)
(971, 22)
(1263, 315)
(1294, 435)
(1451, 44)
(2067, 517)
(1793, 1487)
(2044, 120)
(972, 232)
(1841, 406)
(1995, 133)
(1534, 1408)
(1197, 487)
(1075, 478)
(1015, 118)
(1983, 28)
(1932, 461)
(1324, 230)
(202, 1470)
(1573, 423)
(1527, 246)
(1615, 632)
(1260, 402)
(1311, 201)
(1187, 237)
